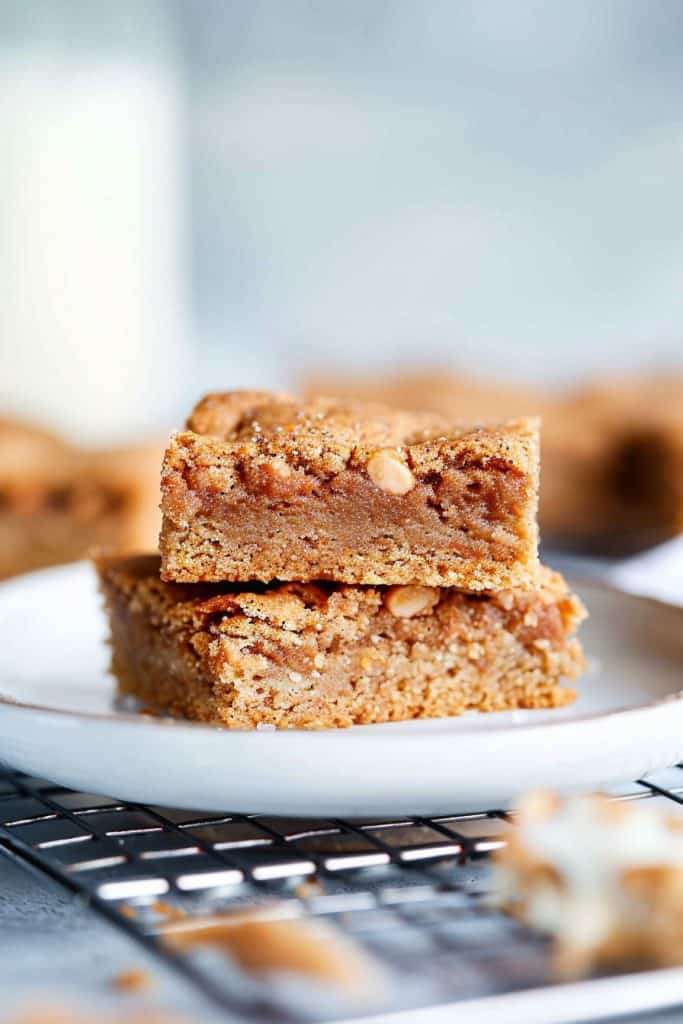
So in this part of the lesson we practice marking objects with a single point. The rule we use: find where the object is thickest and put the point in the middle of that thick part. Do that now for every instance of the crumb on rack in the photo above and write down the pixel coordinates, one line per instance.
(133, 979)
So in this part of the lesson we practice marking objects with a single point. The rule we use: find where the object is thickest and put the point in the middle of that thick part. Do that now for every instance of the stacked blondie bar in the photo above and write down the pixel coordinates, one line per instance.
(331, 562)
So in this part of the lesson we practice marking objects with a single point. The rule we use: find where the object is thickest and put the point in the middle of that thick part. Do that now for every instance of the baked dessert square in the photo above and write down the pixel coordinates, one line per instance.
(130, 474)
(317, 655)
(57, 502)
(604, 879)
(263, 487)
(656, 461)
(645, 415)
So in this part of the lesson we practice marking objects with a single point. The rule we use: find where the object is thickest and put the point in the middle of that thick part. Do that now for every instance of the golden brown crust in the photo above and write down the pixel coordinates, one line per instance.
(314, 655)
(265, 487)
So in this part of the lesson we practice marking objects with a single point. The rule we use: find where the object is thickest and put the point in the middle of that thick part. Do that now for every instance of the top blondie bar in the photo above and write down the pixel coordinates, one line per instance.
(262, 486)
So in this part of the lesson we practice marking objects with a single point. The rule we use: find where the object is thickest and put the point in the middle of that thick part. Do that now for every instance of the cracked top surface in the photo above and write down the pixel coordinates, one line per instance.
(329, 433)
(262, 416)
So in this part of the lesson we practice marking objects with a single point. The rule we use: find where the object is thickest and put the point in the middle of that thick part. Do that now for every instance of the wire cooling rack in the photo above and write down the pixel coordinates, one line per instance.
(412, 891)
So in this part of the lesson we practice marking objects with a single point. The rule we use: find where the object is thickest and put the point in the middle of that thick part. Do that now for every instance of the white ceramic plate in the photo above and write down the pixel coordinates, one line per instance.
(57, 719)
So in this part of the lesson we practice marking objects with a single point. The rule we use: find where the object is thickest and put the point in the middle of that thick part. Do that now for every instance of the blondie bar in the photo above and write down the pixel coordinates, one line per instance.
(315, 655)
(262, 487)
(645, 413)
(57, 502)
(603, 879)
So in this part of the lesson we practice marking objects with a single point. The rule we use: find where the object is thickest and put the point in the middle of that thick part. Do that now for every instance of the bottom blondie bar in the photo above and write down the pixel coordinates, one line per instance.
(318, 655)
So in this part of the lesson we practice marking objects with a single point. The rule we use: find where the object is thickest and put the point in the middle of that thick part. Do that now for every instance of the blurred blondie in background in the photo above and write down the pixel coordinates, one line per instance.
(471, 208)
(612, 448)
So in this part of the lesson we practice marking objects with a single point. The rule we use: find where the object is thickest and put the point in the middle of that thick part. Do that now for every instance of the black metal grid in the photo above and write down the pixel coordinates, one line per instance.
(411, 890)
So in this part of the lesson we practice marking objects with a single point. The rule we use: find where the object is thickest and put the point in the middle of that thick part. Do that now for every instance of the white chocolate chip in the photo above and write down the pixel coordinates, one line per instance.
(319, 660)
(280, 468)
(387, 471)
(475, 651)
(295, 677)
(404, 602)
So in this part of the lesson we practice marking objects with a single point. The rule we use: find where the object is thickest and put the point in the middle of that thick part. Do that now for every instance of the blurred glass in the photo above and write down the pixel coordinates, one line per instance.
(93, 310)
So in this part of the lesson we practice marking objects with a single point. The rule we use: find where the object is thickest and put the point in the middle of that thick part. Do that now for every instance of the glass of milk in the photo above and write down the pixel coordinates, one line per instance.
(93, 306)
